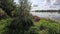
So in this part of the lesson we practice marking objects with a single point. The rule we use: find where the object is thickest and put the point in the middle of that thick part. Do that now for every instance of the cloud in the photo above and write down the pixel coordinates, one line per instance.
(56, 2)
(16, 1)
(44, 4)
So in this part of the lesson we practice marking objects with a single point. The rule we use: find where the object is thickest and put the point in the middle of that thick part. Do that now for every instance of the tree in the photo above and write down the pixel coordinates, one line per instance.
(21, 23)
(7, 6)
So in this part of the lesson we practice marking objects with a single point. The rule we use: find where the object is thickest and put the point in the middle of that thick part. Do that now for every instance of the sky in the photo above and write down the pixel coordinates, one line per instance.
(44, 4)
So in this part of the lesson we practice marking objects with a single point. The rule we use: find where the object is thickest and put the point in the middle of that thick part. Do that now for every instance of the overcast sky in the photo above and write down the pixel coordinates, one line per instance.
(45, 4)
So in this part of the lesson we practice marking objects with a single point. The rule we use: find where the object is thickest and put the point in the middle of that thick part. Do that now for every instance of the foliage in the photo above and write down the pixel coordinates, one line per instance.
(46, 26)
(4, 23)
(2, 14)
(51, 27)
(34, 30)
(22, 22)
(44, 32)
(7, 6)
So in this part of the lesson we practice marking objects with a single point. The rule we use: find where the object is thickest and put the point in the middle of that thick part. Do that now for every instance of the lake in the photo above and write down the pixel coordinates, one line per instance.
(52, 15)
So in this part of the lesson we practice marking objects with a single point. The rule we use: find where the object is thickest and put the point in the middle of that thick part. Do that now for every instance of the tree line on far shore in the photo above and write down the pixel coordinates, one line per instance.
(46, 11)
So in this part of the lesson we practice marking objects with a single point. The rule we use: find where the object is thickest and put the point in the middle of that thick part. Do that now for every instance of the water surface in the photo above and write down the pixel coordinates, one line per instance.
(52, 15)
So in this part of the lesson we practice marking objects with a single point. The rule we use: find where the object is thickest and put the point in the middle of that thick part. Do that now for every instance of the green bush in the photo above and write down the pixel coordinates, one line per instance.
(34, 30)
(19, 25)
(4, 23)
(52, 28)
(44, 32)
(13, 14)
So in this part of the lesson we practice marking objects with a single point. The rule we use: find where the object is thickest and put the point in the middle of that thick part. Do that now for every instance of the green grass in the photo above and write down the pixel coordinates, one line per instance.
(42, 20)
(44, 26)
(48, 26)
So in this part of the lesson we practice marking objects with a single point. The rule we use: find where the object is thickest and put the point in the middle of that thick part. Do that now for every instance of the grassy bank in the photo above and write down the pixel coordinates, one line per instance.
(47, 26)
(43, 26)
(43, 20)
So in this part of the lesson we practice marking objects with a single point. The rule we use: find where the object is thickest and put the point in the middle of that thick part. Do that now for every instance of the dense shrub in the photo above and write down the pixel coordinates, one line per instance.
(4, 23)
(19, 26)
(34, 30)
(52, 28)
(44, 32)
(23, 21)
